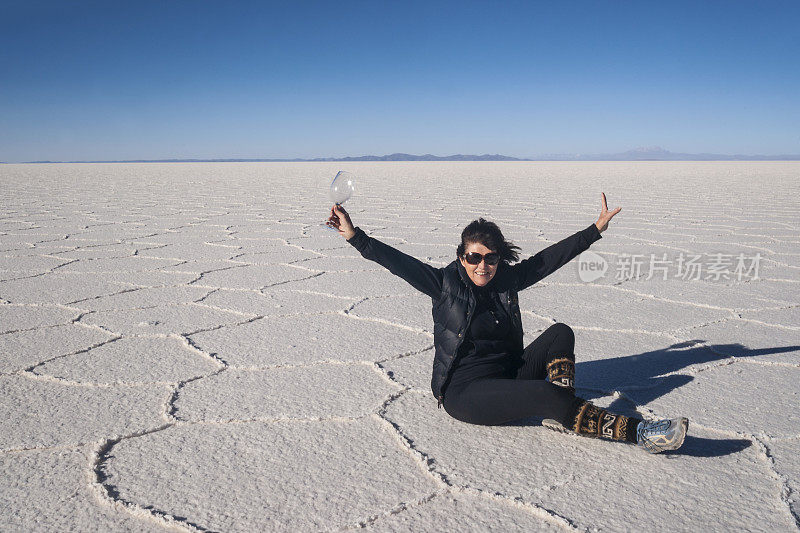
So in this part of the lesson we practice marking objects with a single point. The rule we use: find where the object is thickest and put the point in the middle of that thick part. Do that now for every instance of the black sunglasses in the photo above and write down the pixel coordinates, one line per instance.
(474, 258)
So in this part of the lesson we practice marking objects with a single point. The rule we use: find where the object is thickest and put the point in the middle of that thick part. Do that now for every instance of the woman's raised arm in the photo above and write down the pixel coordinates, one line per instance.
(422, 276)
(557, 255)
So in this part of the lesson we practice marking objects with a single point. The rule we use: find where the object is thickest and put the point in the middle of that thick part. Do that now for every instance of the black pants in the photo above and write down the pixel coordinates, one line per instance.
(522, 394)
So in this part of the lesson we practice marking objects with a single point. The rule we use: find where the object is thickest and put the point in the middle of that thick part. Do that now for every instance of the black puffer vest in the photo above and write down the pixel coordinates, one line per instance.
(452, 315)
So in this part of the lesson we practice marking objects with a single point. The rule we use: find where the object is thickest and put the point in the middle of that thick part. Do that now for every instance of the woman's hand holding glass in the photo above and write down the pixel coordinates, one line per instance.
(340, 221)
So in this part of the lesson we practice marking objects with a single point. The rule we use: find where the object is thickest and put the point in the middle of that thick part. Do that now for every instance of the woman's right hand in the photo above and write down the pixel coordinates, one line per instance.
(340, 221)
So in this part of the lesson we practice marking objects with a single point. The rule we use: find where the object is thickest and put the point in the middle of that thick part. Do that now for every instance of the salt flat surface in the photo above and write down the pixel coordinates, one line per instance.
(185, 346)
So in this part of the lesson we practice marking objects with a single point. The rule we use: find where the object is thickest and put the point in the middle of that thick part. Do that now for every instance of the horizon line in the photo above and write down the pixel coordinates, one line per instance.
(638, 154)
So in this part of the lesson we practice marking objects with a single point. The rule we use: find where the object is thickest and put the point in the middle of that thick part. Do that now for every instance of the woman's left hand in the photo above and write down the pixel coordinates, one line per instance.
(605, 215)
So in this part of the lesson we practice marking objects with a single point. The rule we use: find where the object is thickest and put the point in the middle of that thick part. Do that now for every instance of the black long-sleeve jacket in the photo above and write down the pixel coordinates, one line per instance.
(451, 293)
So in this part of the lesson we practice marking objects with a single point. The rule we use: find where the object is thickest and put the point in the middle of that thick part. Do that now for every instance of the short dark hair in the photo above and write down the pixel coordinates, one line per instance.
(488, 234)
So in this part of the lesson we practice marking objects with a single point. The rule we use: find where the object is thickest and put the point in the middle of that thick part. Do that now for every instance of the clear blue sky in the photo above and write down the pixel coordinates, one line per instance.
(205, 79)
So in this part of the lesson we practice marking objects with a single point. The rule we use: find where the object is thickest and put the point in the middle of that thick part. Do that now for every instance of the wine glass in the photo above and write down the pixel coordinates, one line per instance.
(341, 189)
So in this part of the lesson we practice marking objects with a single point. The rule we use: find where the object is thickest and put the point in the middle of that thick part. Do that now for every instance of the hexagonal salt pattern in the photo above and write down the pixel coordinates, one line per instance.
(143, 298)
(133, 360)
(58, 288)
(22, 317)
(313, 391)
(784, 453)
(51, 490)
(464, 511)
(27, 348)
(197, 352)
(293, 340)
(413, 370)
(741, 398)
(275, 301)
(41, 413)
(411, 311)
(584, 478)
(283, 476)
(182, 319)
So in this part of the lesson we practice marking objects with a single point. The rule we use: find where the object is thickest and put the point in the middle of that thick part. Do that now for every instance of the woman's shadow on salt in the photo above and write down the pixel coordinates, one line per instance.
(642, 377)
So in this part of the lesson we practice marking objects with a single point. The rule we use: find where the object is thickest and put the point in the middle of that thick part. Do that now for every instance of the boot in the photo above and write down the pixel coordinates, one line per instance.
(561, 372)
(658, 436)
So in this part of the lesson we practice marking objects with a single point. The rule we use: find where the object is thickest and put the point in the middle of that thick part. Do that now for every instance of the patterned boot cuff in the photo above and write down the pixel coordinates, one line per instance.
(561, 372)
(591, 421)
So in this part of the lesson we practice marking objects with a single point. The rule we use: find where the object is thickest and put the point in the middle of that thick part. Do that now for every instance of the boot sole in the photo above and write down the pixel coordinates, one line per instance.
(685, 424)
(555, 425)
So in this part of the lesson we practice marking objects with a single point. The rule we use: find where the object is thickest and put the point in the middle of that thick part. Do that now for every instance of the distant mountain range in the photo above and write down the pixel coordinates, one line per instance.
(650, 153)
(656, 153)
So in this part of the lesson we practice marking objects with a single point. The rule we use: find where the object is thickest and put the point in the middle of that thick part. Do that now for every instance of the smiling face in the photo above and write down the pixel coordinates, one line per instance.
(480, 274)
